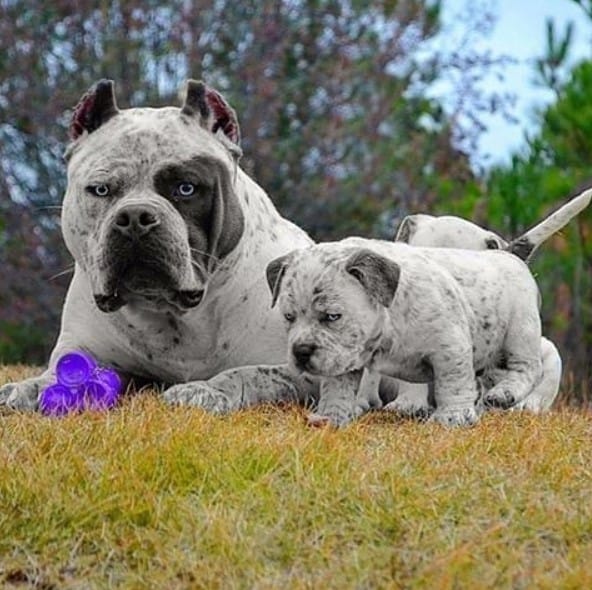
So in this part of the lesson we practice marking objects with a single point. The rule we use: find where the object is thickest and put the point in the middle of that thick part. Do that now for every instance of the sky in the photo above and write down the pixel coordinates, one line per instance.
(520, 32)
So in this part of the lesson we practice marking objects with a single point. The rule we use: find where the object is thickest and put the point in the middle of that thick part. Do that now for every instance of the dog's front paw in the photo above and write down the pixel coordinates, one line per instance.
(24, 395)
(499, 396)
(199, 394)
(455, 416)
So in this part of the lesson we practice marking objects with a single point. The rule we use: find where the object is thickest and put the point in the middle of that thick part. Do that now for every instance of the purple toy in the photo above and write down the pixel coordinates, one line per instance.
(81, 385)
(75, 368)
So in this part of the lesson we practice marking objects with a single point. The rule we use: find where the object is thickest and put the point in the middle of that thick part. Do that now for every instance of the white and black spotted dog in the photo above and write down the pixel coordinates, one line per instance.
(417, 314)
(453, 232)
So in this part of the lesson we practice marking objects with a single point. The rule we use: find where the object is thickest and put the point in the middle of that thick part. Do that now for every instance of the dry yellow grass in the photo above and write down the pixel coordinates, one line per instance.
(152, 497)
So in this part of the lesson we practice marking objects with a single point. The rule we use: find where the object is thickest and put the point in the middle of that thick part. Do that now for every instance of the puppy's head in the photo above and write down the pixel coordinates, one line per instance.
(334, 303)
(150, 206)
(446, 232)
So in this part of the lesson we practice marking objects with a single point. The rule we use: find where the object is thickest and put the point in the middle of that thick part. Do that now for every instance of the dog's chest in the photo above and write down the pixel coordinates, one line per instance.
(169, 347)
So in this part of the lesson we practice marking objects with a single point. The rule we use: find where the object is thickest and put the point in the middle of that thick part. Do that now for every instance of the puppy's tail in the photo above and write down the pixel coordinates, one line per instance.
(525, 246)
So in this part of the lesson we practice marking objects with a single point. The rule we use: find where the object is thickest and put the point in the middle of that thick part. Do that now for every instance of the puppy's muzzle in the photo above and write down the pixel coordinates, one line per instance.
(302, 354)
(136, 221)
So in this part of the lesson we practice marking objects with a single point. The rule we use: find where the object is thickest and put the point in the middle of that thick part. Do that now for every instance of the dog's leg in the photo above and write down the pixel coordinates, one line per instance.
(368, 397)
(522, 352)
(455, 386)
(244, 387)
(337, 400)
(546, 390)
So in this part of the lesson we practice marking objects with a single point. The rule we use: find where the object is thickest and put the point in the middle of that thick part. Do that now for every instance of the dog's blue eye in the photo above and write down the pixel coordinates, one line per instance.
(185, 190)
(330, 317)
(98, 190)
(289, 317)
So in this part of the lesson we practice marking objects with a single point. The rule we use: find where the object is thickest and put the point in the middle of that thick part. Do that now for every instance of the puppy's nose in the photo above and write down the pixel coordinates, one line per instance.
(303, 352)
(136, 221)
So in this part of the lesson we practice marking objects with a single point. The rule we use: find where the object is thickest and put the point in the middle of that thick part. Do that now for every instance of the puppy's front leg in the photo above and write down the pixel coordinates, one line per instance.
(455, 387)
(368, 397)
(337, 400)
(243, 387)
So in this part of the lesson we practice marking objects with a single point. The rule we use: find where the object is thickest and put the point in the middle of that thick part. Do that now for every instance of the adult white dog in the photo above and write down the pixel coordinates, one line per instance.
(170, 239)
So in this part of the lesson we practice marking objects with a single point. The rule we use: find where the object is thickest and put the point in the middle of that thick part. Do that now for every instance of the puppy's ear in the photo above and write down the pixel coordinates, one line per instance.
(275, 273)
(494, 242)
(377, 274)
(212, 109)
(409, 226)
(94, 109)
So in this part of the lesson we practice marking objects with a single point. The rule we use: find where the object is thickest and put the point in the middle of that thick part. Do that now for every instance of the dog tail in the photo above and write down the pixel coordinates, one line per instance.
(527, 243)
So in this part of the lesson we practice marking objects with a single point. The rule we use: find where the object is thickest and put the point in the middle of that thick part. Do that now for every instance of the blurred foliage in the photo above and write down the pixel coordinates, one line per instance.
(339, 125)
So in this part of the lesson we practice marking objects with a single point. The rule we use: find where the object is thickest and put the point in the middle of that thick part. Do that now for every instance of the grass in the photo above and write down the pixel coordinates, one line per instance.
(148, 496)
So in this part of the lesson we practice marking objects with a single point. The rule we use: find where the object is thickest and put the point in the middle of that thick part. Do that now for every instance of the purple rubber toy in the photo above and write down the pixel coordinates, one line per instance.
(58, 400)
(75, 368)
(103, 389)
(81, 385)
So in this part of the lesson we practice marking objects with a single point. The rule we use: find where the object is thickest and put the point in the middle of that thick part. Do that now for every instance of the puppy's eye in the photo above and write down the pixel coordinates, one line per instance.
(98, 190)
(330, 317)
(289, 317)
(491, 244)
(184, 190)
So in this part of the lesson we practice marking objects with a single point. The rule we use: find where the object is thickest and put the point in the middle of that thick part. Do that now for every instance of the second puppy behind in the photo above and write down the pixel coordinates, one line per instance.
(454, 232)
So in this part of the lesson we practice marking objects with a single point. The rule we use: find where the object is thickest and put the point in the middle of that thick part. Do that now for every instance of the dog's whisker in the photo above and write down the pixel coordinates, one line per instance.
(196, 251)
(62, 273)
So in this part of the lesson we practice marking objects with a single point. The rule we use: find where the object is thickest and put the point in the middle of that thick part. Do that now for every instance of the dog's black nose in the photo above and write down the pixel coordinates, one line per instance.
(135, 221)
(302, 353)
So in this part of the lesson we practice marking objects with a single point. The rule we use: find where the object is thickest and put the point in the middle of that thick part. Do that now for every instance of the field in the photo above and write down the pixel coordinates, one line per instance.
(147, 496)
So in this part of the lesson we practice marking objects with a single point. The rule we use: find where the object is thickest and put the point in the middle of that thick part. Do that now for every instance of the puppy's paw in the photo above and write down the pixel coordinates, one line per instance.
(409, 409)
(499, 396)
(24, 395)
(198, 394)
(455, 416)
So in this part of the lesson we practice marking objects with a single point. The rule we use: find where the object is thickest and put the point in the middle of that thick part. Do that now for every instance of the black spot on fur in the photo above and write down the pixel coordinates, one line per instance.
(172, 322)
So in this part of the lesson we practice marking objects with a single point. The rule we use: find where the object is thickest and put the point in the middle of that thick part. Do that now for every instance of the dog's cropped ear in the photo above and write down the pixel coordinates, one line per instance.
(275, 272)
(214, 112)
(94, 109)
(377, 274)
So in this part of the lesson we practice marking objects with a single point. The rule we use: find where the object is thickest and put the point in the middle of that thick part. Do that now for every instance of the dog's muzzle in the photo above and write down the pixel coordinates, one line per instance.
(146, 261)
(302, 354)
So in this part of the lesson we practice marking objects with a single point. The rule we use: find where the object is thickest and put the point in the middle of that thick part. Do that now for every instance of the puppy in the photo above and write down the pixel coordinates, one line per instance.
(417, 314)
